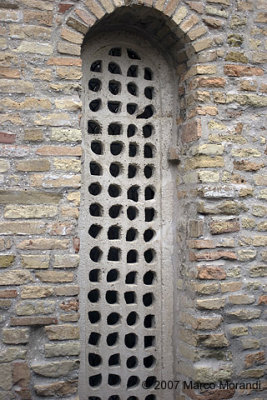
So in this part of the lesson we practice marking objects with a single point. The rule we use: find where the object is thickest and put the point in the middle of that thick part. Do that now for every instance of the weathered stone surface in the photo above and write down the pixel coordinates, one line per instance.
(54, 276)
(36, 307)
(12, 353)
(35, 292)
(6, 376)
(218, 227)
(22, 228)
(33, 165)
(244, 314)
(14, 277)
(55, 369)
(15, 335)
(62, 332)
(62, 349)
(43, 244)
(58, 389)
(28, 197)
(210, 304)
(6, 260)
(33, 261)
(30, 211)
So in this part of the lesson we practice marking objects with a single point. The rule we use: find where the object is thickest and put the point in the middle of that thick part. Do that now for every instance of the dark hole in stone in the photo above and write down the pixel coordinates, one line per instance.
(96, 66)
(114, 190)
(115, 52)
(147, 130)
(114, 106)
(95, 380)
(132, 88)
(95, 168)
(131, 234)
(132, 256)
(113, 318)
(114, 360)
(114, 129)
(93, 127)
(94, 398)
(132, 149)
(147, 113)
(150, 397)
(95, 210)
(114, 87)
(132, 397)
(113, 232)
(114, 397)
(132, 362)
(131, 277)
(94, 316)
(147, 299)
(132, 381)
(150, 381)
(95, 254)
(131, 130)
(95, 105)
(116, 148)
(94, 230)
(149, 255)
(148, 171)
(112, 338)
(130, 340)
(149, 214)
(133, 55)
(148, 235)
(94, 84)
(94, 295)
(114, 169)
(114, 211)
(114, 380)
(132, 71)
(94, 188)
(94, 359)
(111, 296)
(149, 193)
(94, 275)
(149, 277)
(132, 193)
(114, 254)
(114, 68)
(132, 169)
(132, 318)
(149, 92)
(130, 297)
(148, 151)
(148, 74)
(94, 338)
(149, 341)
(131, 213)
(112, 275)
(149, 361)
(131, 108)
(97, 147)
(149, 321)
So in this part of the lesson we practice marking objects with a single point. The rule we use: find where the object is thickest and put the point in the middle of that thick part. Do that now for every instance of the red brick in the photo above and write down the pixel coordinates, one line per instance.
(7, 138)
(263, 299)
(242, 70)
(191, 131)
(8, 294)
(211, 272)
(213, 255)
(76, 244)
(211, 82)
(21, 374)
(254, 359)
(63, 7)
(31, 321)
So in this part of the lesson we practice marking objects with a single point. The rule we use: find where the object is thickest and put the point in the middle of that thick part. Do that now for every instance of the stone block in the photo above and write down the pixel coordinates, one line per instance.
(15, 335)
(62, 332)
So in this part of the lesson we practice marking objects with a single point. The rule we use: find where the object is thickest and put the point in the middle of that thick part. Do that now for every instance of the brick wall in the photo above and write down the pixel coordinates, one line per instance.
(221, 190)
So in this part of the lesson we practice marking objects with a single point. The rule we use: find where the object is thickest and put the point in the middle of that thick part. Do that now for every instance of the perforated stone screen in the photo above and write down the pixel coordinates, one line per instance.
(126, 270)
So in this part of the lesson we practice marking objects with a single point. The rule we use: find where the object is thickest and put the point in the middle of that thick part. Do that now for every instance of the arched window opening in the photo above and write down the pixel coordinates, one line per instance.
(127, 213)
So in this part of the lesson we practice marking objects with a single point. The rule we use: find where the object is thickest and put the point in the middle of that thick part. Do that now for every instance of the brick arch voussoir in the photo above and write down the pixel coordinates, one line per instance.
(185, 23)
